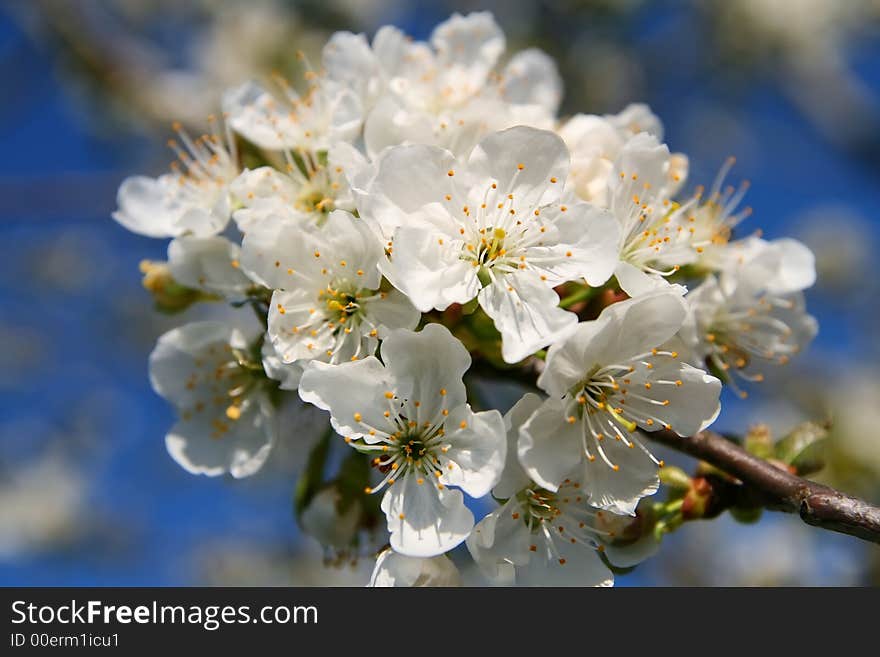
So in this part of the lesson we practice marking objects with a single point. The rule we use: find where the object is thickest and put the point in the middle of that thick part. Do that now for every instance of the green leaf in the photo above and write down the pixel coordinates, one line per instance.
(804, 447)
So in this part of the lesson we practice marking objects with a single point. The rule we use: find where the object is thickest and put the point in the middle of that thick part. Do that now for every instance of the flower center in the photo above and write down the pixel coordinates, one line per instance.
(342, 304)
(613, 401)
(563, 516)
(737, 338)
(222, 383)
(409, 441)
(312, 199)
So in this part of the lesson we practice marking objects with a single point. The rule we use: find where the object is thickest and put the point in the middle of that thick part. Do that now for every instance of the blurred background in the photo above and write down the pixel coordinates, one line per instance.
(88, 495)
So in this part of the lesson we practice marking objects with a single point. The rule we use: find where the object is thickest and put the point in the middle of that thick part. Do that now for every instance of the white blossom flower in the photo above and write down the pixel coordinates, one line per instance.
(393, 569)
(538, 537)
(409, 413)
(226, 422)
(333, 524)
(310, 187)
(779, 266)
(636, 118)
(495, 228)
(714, 218)
(595, 143)
(753, 315)
(210, 264)
(327, 302)
(656, 238)
(445, 92)
(609, 378)
(194, 198)
(303, 123)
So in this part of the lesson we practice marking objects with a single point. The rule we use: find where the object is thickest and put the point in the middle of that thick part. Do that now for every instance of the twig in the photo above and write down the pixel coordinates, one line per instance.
(779, 490)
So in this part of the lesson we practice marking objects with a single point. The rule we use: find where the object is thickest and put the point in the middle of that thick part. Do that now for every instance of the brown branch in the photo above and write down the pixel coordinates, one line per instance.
(779, 490)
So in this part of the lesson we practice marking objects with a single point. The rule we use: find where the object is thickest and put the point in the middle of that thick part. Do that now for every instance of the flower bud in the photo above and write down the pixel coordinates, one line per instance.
(697, 500)
(329, 520)
(759, 441)
(168, 295)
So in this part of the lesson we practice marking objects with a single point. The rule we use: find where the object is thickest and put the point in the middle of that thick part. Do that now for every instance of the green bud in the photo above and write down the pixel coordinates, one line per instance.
(674, 477)
(759, 441)
(746, 516)
(697, 500)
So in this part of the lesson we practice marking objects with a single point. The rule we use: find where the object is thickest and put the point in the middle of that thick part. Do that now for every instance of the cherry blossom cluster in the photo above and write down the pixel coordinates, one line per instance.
(403, 193)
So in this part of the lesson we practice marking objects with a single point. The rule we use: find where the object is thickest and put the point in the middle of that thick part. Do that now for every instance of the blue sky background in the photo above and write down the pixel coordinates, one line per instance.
(76, 326)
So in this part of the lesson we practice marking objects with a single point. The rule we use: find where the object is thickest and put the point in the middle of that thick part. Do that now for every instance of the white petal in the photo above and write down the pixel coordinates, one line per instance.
(427, 267)
(173, 360)
(143, 207)
(531, 77)
(631, 554)
(357, 170)
(198, 447)
(346, 116)
(619, 491)
(413, 176)
(588, 244)
(468, 48)
(395, 51)
(423, 520)
(353, 247)
(526, 313)
(392, 310)
(206, 263)
(476, 452)
(778, 267)
(262, 192)
(349, 391)
(393, 569)
(514, 478)
(257, 116)
(622, 330)
(288, 375)
(636, 282)
(278, 240)
(323, 520)
(347, 58)
(432, 361)
(582, 567)
(591, 135)
(500, 542)
(549, 446)
(636, 118)
(692, 406)
(645, 158)
(390, 124)
(585, 347)
(288, 311)
(541, 153)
